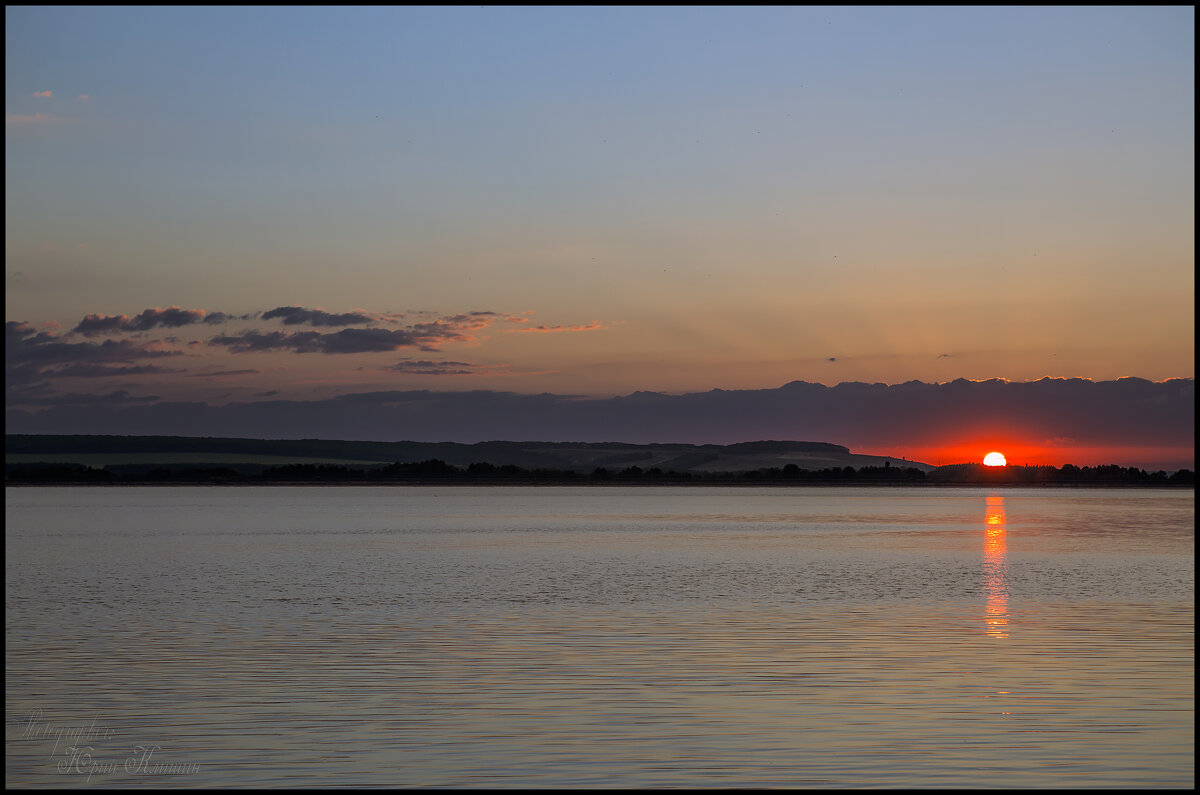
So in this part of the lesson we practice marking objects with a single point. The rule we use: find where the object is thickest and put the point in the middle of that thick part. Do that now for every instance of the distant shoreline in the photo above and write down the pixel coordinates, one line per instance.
(438, 473)
(730, 484)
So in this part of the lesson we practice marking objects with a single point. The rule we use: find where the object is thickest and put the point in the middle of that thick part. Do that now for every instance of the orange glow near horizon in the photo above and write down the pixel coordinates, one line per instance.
(1055, 453)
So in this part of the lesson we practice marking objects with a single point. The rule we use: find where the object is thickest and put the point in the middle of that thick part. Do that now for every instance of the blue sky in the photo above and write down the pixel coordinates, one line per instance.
(675, 198)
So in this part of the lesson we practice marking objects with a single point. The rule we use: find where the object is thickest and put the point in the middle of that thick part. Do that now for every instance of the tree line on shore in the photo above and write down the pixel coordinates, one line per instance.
(437, 471)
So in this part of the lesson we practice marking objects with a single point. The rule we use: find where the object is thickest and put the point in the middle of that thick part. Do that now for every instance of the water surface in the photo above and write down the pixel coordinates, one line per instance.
(607, 637)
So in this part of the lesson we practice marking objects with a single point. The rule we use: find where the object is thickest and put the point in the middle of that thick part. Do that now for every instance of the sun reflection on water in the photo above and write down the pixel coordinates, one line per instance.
(995, 567)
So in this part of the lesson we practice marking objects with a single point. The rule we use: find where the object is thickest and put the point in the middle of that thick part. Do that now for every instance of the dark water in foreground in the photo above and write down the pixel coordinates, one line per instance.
(606, 637)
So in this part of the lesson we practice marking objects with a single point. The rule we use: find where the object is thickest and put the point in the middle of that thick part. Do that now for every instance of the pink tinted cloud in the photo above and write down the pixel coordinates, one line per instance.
(43, 94)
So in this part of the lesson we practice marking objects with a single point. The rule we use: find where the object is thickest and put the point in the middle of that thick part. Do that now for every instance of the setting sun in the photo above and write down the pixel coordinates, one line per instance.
(994, 460)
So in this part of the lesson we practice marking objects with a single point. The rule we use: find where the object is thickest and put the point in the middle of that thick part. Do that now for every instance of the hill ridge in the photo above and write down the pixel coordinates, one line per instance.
(739, 456)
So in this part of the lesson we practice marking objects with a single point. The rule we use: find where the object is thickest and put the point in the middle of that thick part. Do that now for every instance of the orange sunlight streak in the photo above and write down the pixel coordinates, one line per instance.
(995, 567)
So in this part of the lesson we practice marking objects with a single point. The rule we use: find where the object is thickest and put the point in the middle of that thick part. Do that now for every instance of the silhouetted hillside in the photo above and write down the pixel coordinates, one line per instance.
(116, 460)
(245, 455)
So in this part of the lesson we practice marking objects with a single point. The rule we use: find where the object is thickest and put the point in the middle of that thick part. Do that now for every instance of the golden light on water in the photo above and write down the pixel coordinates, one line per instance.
(995, 460)
(995, 567)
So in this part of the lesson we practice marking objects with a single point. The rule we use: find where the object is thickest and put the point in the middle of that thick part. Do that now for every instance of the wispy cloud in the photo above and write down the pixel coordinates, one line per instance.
(43, 94)
(593, 326)
(21, 120)
(430, 367)
(223, 373)
(87, 370)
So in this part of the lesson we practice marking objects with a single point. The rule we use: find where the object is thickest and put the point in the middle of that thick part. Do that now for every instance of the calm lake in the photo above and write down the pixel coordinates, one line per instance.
(599, 637)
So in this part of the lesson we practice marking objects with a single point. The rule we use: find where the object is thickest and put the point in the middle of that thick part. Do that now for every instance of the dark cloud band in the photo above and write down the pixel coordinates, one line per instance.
(366, 340)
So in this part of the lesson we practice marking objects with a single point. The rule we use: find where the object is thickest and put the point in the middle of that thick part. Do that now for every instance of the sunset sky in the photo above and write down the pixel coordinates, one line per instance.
(234, 205)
